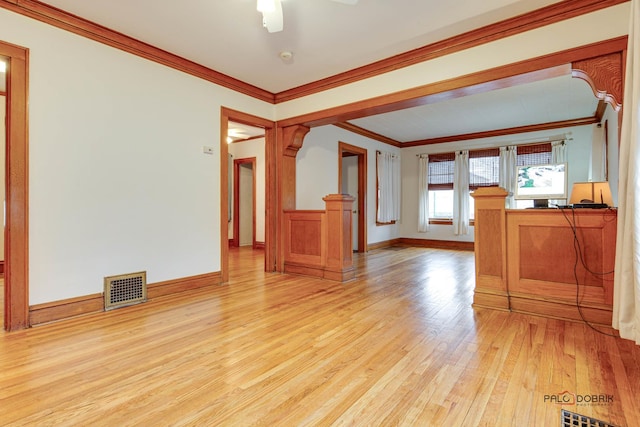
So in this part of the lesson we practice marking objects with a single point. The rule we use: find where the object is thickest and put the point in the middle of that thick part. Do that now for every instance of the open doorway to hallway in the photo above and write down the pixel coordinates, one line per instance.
(352, 180)
(247, 185)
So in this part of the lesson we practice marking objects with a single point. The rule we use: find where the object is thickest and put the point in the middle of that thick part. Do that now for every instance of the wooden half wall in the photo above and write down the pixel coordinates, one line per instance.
(319, 243)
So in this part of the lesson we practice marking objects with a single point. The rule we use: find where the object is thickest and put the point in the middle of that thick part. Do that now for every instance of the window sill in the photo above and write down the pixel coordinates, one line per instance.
(385, 223)
(445, 221)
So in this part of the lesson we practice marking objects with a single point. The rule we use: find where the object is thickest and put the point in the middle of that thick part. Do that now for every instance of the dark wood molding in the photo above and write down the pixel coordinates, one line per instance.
(383, 244)
(437, 244)
(94, 303)
(368, 134)
(293, 137)
(16, 275)
(272, 177)
(604, 76)
(258, 245)
(91, 30)
(502, 132)
(2, 268)
(533, 69)
(529, 21)
(3, 93)
(347, 150)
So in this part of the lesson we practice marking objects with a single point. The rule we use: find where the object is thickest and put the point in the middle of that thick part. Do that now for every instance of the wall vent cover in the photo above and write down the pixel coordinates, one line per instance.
(124, 290)
(571, 419)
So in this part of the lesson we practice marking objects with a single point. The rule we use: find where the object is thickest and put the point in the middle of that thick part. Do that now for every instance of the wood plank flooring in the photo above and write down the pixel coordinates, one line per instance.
(400, 345)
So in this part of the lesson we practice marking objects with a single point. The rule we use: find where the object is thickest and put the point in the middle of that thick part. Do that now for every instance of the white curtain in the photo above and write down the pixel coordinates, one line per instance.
(461, 193)
(389, 187)
(558, 152)
(558, 155)
(507, 173)
(423, 193)
(626, 288)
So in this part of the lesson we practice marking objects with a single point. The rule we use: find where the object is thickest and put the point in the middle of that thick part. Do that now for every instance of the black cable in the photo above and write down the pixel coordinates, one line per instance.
(579, 257)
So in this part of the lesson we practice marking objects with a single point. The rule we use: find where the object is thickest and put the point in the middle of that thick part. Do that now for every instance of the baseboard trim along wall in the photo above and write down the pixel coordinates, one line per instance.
(423, 243)
(71, 307)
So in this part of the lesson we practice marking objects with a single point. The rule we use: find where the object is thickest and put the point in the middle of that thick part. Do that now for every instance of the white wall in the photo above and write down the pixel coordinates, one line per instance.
(578, 153)
(317, 174)
(118, 181)
(253, 148)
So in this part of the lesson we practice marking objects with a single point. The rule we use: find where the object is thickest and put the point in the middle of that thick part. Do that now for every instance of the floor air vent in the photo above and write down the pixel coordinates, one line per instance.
(571, 419)
(126, 289)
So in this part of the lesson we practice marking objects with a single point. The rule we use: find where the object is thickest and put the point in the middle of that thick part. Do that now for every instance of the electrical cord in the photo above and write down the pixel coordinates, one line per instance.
(580, 258)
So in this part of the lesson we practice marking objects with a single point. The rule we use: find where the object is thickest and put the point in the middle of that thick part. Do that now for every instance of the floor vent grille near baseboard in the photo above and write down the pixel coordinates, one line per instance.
(124, 290)
(571, 419)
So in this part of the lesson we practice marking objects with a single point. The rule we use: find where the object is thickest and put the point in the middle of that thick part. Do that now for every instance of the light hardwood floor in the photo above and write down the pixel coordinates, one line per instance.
(400, 345)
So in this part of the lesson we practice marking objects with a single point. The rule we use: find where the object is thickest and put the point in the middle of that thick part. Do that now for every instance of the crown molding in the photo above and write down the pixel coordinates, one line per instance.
(503, 132)
(91, 30)
(526, 22)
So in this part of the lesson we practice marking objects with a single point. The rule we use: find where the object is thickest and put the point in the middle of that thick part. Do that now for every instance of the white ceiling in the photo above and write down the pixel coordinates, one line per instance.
(328, 38)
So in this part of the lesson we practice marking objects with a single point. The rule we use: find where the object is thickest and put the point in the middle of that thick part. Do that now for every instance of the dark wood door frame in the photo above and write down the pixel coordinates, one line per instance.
(236, 199)
(16, 241)
(271, 185)
(345, 149)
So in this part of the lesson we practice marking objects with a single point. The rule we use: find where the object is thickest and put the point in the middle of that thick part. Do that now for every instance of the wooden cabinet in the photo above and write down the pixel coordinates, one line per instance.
(557, 263)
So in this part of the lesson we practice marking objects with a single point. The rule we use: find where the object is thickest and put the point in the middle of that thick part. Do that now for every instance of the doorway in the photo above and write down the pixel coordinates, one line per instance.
(352, 179)
(244, 202)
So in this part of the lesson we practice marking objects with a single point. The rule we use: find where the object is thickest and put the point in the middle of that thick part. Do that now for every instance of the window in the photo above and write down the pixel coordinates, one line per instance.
(484, 171)
(388, 188)
(537, 154)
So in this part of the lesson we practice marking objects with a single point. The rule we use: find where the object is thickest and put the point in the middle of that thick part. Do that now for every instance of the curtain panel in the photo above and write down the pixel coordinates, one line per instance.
(388, 187)
(423, 193)
(626, 286)
(461, 193)
(508, 162)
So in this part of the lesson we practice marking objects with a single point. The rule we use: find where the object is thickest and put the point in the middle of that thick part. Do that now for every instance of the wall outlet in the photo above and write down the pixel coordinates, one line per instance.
(207, 150)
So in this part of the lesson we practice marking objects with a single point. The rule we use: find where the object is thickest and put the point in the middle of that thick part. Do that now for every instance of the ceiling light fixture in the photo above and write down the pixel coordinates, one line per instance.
(266, 6)
(271, 15)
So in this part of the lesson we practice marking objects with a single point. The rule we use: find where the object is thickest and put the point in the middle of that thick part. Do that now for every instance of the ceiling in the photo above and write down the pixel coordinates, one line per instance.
(327, 38)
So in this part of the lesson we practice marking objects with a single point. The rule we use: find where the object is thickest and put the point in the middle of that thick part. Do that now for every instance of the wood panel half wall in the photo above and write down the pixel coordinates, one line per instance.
(88, 304)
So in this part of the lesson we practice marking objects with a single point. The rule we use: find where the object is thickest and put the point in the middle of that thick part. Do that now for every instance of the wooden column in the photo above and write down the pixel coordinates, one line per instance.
(490, 249)
(290, 140)
(339, 262)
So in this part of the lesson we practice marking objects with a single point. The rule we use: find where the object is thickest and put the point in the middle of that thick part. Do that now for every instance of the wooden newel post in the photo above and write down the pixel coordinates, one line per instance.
(339, 264)
(490, 248)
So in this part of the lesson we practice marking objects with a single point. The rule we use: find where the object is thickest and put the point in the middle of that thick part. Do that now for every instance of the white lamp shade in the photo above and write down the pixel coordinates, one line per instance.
(591, 192)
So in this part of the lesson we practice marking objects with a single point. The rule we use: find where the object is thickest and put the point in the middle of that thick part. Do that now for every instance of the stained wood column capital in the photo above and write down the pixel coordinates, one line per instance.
(604, 75)
(292, 139)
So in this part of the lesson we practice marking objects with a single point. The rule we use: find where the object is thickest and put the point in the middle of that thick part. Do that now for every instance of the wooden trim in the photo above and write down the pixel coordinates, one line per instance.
(551, 14)
(64, 309)
(16, 282)
(368, 134)
(91, 30)
(501, 132)
(258, 245)
(521, 72)
(383, 244)
(169, 287)
(604, 76)
(236, 199)
(2, 268)
(437, 244)
(363, 194)
(94, 303)
(271, 186)
(2, 93)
